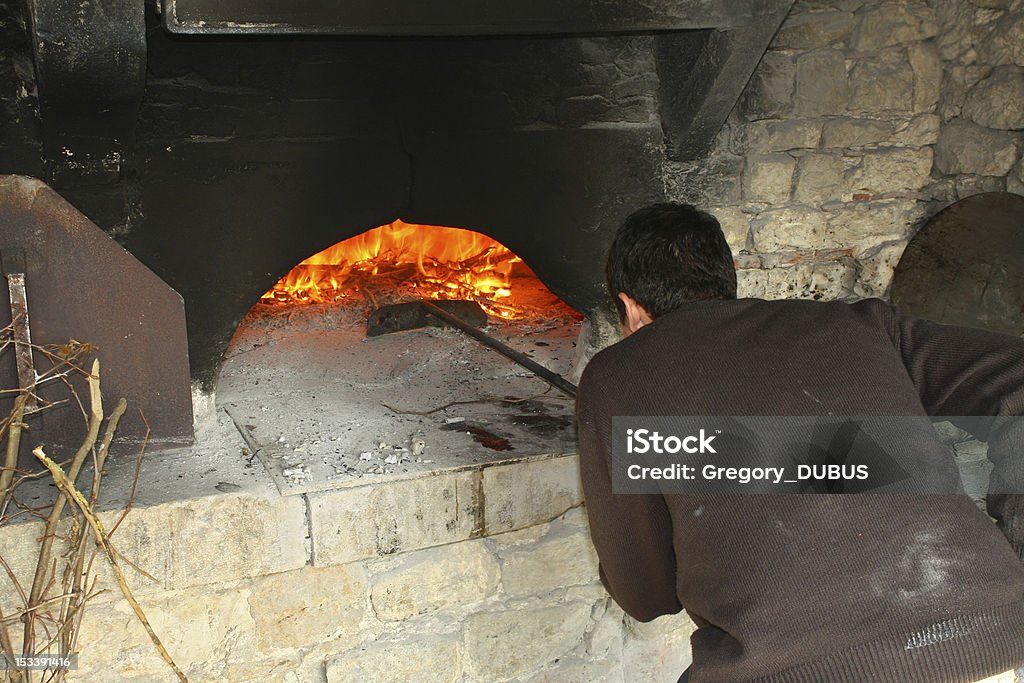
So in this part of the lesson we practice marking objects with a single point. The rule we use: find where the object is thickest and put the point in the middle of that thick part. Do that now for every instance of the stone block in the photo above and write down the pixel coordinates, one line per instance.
(788, 229)
(202, 629)
(210, 539)
(1005, 44)
(779, 136)
(768, 178)
(853, 133)
(503, 645)
(998, 101)
(769, 93)
(968, 185)
(819, 178)
(895, 170)
(390, 517)
(443, 578)
(814, 29)
(735, 224)
(881, 84)
(964, 147)
(823, 281)
(927, 67)
(426, 660)
(894, 24)
(527, 493)
(713, 180)
(821, 85)
(564, 556)
(310, 605)
(863, 226)
(876, 268)
(920, 131)
(658, 650)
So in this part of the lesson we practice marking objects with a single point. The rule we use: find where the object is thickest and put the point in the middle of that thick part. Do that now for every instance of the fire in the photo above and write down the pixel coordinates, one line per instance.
(416, 261)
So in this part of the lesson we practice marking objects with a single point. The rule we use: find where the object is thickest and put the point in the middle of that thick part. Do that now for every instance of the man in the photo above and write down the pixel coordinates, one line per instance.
(869, 588)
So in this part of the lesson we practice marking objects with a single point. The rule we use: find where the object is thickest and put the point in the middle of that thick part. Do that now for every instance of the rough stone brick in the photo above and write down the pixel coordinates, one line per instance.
(297, 608)
(927, 67)
(863, 225)
(789, 228)
(714, 180)
(851, 133)
(964, 147)
(769, 93)
(967, 185)
(422, 659)
(822, 86)
(957, 81)
(768, 178)
(735, 224)
(658, 650)
(564, 556)
(813, 30)
(528, 493)
(998, 101)
(896, 170)
(780, 136)
(875, 269)
(505, 644)
(894, 24)
(425, 581)
(920, 131)
(202, 629)
(211, 539)
(882, 85)
(819, 178)
(396, 516)
(1005, 44)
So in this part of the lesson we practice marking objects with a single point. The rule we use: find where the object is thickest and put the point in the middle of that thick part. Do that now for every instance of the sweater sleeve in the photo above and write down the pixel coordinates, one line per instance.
(632, 533)
(961, 371)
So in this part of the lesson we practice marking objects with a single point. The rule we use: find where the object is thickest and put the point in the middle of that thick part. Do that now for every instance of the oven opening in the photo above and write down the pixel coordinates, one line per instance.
(326, 400)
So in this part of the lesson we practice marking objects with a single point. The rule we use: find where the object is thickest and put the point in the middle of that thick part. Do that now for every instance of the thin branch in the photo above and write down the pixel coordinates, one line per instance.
(69, 490)
(13, 445)
(46, 545)
(465, 403)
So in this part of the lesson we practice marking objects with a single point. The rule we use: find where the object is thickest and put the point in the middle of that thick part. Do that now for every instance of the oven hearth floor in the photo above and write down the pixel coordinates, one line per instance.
(325, 407)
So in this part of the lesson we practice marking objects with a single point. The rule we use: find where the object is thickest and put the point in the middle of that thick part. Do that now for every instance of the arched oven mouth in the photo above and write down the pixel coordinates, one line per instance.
(324, 404)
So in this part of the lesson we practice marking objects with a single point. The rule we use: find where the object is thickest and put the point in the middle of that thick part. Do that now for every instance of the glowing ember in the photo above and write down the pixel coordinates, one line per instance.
(413, 261)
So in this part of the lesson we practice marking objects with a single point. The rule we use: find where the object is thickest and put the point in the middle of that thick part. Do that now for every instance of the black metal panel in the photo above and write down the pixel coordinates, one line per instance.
(90, 63)
(458, 17)
(82, 285)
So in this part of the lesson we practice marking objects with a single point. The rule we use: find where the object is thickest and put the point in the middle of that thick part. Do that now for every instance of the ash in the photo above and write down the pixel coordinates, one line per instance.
(325, 407)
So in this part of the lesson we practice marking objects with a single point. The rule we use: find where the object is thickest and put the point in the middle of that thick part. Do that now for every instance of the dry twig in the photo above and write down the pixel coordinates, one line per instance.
(67, 487)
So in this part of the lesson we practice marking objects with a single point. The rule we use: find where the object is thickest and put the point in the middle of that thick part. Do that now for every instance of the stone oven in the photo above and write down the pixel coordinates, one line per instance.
(431, 525)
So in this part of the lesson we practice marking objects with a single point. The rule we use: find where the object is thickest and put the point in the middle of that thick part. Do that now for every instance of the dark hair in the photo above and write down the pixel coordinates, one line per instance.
(668, 254)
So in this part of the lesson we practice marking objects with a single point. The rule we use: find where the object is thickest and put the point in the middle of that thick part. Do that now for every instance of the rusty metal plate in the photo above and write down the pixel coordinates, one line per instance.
(82, 285)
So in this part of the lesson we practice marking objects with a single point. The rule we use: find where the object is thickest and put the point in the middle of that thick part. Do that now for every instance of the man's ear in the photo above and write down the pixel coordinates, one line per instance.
(636, 315)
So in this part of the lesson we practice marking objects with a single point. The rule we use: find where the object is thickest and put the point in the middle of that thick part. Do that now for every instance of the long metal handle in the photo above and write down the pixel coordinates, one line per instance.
(552, 378)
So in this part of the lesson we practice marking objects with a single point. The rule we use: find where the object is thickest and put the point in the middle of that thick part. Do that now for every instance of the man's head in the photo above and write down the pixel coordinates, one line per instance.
(662, 257)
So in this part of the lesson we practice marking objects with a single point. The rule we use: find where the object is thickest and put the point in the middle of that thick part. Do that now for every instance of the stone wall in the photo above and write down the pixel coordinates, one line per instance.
(480, 575)
(863, 119)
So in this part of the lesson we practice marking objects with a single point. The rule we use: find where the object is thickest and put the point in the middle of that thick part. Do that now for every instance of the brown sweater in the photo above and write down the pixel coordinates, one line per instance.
(814, 588)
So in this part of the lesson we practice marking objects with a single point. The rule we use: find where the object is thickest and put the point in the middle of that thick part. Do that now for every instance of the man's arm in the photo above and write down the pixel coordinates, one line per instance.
(962, 371)
(632, 533)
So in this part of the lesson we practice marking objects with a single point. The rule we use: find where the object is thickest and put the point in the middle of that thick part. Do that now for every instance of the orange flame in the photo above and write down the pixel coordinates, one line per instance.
(428, 261)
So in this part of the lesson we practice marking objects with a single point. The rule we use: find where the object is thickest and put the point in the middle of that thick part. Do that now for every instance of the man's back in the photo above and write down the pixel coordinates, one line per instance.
(810, 587)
